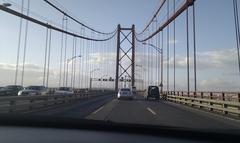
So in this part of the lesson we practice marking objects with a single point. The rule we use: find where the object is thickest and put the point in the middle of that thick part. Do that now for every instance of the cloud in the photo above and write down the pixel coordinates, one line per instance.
(27, 66)
(216, 59)
(173, 41)
(218, 84)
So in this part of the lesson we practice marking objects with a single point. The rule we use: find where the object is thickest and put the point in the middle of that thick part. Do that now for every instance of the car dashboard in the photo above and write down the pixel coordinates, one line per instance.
(52, 130)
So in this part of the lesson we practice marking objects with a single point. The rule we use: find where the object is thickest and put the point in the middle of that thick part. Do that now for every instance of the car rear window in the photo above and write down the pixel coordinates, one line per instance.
(125, 89)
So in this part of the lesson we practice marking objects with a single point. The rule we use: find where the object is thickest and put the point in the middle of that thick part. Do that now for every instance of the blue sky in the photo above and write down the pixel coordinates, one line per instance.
(216, 46)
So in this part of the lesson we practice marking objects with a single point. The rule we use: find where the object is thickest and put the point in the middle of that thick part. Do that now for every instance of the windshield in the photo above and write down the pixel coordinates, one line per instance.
(9, 87)
(34, 88)
(173, 63)
(125, 89)
(65, 88)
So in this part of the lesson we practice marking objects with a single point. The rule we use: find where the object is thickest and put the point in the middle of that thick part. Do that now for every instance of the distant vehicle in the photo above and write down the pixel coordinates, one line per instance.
(33, 90)
(125, 93)
(64, 91)
(152, 92)
(10, 90)
(134, 90)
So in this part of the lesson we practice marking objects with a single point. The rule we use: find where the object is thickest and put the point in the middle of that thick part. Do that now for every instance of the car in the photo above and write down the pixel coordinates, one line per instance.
(125, 93)
(64, 91)
(10, 90)
(152, 93)
(33, 90)
(134, 90)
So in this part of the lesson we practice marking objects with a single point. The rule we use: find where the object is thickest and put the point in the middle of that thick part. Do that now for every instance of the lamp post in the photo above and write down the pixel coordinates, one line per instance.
(68, 61)
(160, 51)
(90, 86)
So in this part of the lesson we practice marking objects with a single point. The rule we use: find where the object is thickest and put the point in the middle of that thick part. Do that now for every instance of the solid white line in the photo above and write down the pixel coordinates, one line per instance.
(150, 110)
(97, 110)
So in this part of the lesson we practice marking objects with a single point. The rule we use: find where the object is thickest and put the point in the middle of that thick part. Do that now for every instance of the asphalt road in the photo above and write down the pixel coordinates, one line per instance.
(139, 111)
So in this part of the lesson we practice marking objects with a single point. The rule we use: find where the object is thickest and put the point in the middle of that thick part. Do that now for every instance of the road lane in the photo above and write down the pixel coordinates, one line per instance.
(161, 113)
(78, 109)
(140, 111)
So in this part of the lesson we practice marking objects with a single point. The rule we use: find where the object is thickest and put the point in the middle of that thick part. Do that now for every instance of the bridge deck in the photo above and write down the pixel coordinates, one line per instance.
(140, 111)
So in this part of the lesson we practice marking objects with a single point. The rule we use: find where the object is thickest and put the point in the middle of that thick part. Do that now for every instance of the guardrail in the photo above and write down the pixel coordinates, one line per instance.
(18, 104)
(224, 102)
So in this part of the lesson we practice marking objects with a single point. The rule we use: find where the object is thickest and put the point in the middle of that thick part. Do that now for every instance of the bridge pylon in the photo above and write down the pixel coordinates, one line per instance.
(125, 59)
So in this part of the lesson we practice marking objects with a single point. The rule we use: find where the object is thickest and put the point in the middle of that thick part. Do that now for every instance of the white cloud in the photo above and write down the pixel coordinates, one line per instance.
(218, 59)
(173, 41)
(219, 84)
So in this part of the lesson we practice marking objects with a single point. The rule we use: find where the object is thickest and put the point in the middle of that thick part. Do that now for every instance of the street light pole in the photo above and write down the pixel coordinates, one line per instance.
(160, 51)
(68, 61)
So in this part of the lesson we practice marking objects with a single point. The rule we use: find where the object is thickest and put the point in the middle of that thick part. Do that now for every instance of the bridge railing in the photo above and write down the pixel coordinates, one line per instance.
(21, 104)
(222, 102)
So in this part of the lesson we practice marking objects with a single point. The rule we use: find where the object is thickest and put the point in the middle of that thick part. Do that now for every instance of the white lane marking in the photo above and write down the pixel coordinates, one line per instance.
(97, 110)
(150, 110)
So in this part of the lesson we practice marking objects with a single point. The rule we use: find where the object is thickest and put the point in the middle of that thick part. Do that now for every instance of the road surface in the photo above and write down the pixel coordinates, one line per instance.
(139, 111)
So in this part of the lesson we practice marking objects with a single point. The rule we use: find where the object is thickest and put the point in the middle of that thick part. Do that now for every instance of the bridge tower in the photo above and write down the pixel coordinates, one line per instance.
(125, 59)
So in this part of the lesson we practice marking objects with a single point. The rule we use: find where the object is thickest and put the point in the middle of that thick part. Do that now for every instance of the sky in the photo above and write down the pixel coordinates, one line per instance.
(216, 45)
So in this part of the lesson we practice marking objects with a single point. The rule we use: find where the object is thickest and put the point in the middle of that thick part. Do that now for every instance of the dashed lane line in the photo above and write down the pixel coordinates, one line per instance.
(95, 112)
(150, 110)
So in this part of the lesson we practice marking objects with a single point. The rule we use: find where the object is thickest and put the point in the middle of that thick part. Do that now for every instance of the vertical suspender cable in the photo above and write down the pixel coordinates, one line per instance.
(90, 62)
(79, 66)
(87, 63)
(65, 56)
(19, 45)
(144, 62)
(72, 61)
(157, 53)
(174, 51)
(162, 56)
(187, 27)
(74, 69)
(194, 50)
(237, 30)
(61, 53)
(45, 58)
(168, 50)
(148, 59)
(25, 44)
(152, 58)
(49, 55)
(82, 61)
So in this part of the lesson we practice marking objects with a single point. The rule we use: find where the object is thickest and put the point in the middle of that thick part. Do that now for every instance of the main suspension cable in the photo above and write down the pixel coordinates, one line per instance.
(169, 20)
(152, 19)
(66, 14)
(28, 18)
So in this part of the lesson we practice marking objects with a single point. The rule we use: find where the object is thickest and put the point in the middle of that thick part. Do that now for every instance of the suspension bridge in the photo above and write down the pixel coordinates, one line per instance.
(96, 64)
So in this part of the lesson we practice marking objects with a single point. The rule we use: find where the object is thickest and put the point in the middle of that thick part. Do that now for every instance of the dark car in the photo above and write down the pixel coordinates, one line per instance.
(10, 90)
(152, 92)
